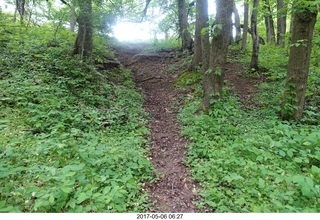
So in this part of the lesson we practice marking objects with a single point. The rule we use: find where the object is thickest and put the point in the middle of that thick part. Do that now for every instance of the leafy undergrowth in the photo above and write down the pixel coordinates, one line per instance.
(251, 161)
(71, 139)
(248, 159)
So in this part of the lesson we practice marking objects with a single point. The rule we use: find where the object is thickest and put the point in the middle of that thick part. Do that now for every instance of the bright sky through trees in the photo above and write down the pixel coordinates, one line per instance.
(128, 31)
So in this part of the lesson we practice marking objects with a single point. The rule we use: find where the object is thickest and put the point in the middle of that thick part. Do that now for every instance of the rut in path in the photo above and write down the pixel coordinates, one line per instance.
(175, 191)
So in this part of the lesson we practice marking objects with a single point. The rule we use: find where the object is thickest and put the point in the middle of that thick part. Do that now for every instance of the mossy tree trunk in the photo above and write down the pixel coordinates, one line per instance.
(304, 19)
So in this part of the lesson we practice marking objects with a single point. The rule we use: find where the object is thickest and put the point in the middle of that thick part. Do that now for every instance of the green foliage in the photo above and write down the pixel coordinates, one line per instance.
(252, 161)
(271, 58)
(164, 44)
(274, 61)
(71, 139)
(188, 78)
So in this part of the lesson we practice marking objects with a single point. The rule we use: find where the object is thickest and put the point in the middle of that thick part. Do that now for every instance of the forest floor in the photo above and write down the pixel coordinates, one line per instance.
(176, 191)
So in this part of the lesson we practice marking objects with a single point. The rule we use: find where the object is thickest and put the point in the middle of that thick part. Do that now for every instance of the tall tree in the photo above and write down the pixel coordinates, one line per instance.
(73, 15)
(255, 36)
(271, 36)
(197, 56)
(205, 43)
(304, 19)
(20, 6)
(187, 41)
(281, 22)
(245, 26)
(214, 76)
(237, 23)
(200, 29)
(83, 44)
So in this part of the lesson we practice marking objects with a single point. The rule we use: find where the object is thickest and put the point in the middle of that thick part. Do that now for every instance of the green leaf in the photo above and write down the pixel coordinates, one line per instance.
(315, 169)
(309, 181)
(240, 201)
(298, 179)
(235, 176)
(297, 160)
(2, 203)
(307, 143)
(51, 199)
(282, 153)
(290, 153)
(278, 179)
(37, 204)
(70, 174)
(256, 209)
(66, 189)
(82, 197)
(71, 203)
(306, 191)
(212, 204)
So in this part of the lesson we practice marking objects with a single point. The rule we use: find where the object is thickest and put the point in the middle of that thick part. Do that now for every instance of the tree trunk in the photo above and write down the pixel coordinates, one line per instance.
(197, 56)
(205, 43)
(213, 78)
(183, 26)
(237, 23)
(245, 27)
(73, 15)
(20, 7)
(271, 38)
(281, 21)
(83, 44)
(255, 37)
(201, 24)
(299, 59)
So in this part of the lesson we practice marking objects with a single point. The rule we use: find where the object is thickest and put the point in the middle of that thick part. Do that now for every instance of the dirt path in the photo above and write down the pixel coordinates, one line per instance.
(175, 191)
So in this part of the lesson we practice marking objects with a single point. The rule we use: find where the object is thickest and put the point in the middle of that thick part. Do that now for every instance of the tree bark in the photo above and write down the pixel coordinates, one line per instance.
(73, 15)
(213, 78)
(201, 24)
(237, 23)
(281, 22)
(197, 56)
(304, 20)
(271, 36)
(255, 37)
(187, 42)
(20, 7)
(83, 44)
(245, 27)
(205, 43)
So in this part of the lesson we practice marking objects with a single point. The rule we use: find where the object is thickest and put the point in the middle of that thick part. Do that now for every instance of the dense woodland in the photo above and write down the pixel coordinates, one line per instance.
(74, 136)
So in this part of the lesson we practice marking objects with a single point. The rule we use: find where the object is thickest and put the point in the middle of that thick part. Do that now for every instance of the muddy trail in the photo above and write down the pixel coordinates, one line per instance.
(176, 191)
